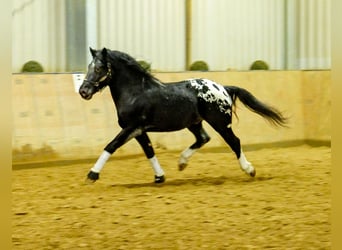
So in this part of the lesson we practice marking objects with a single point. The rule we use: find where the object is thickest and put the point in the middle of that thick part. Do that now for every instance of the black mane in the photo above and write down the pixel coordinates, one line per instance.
(131, 63)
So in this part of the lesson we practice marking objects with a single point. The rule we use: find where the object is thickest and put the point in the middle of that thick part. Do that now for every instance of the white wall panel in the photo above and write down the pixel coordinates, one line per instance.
(38, 34)
(233, 34)
(152, 30)
(228, 34)
(56, 36)
(314, 34)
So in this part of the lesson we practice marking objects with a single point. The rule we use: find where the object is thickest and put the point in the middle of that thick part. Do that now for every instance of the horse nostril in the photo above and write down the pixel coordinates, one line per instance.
(83, 93)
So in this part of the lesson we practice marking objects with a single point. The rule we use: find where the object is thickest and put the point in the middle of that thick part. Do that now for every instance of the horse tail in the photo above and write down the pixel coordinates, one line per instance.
(271, 114)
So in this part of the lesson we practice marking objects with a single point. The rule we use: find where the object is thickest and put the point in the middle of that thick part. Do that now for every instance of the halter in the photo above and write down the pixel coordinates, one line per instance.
(97, 83)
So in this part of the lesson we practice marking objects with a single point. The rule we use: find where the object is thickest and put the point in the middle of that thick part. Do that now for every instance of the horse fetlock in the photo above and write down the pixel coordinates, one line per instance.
(246, 165)
(182, 166)
(184, 157)
(248, 169)
(182, 163)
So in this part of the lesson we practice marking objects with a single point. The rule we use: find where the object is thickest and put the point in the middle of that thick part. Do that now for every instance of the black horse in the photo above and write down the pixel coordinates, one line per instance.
(145, 104)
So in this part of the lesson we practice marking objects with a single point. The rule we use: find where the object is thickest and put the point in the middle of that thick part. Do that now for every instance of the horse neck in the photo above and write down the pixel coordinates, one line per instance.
(125, 86)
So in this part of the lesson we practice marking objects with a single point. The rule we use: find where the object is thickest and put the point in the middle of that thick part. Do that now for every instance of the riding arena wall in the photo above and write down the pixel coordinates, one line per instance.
(51, 122)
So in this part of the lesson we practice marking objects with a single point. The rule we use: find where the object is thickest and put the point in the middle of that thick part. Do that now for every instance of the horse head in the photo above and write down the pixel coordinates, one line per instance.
(99, 71)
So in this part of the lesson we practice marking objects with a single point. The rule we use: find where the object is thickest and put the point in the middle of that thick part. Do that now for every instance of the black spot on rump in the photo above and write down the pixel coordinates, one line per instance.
(215, 86)
(205, 89)
(200, 81)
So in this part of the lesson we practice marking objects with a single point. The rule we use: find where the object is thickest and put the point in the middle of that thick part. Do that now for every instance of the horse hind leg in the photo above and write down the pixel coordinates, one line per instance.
(234, 142)
(201, 138)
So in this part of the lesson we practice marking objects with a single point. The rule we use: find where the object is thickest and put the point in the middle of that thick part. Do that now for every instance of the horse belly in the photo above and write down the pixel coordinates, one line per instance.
(175, 115)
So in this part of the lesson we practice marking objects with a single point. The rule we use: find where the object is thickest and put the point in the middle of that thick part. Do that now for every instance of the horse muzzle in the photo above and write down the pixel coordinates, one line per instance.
(86, 92)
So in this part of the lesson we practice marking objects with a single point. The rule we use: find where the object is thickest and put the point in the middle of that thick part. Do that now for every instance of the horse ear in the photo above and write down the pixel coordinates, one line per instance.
(104, 52)
(92, 51)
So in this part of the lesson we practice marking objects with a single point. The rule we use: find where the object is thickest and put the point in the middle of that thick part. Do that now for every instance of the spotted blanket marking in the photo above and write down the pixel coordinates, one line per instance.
(212, 92)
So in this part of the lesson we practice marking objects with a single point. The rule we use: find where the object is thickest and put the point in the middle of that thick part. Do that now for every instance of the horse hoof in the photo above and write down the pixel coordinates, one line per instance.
(159, 179)
(182, 166)
(92, 177)
(252, 174)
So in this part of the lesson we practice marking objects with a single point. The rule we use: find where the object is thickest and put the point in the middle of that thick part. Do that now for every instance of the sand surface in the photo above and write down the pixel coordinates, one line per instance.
(212, 204)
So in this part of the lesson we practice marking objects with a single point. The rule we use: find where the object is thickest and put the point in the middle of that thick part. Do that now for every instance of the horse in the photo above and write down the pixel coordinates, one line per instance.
(145, 104)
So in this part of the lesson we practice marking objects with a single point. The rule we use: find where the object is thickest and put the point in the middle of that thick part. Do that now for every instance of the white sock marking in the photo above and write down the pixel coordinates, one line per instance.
(245, 164)
(101, 161)
(185, 155)
(156, 166)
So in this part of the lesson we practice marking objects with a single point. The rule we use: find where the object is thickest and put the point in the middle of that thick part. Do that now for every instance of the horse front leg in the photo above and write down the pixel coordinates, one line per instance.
(125, 135)
(146, 145)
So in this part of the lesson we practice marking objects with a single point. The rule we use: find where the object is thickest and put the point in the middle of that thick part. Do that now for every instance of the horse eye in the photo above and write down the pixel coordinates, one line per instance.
(97, 70)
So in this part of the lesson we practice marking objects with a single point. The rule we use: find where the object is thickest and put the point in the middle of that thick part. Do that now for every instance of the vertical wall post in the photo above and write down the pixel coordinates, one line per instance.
(188, 33)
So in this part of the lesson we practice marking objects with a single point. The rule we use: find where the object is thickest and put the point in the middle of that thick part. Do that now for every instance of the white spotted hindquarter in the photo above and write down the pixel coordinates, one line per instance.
(213, 92)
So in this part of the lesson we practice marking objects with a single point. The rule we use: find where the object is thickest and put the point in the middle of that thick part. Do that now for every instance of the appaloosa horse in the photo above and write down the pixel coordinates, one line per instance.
(145, 104)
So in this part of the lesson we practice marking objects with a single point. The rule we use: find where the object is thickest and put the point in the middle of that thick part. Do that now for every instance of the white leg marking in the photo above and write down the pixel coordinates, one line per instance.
(156, 166)
(100, 162)
(185, 155)
(245, 164)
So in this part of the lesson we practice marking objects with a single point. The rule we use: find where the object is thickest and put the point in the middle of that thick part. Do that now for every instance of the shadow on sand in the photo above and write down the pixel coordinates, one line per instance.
(200, 181)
